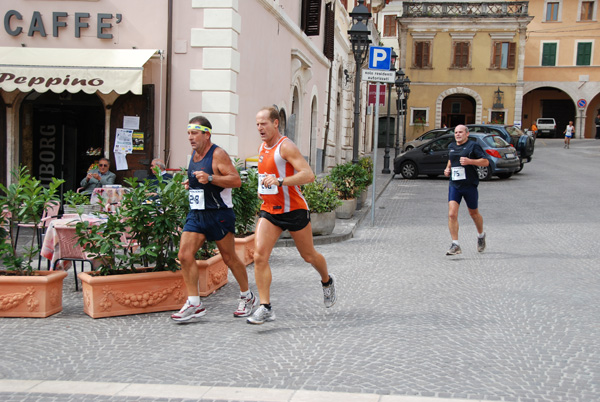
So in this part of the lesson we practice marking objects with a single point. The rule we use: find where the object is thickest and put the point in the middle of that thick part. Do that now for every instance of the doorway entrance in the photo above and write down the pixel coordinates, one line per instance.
(62, 135)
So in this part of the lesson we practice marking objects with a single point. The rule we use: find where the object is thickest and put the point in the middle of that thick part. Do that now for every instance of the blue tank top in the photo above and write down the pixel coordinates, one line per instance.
(215, 197)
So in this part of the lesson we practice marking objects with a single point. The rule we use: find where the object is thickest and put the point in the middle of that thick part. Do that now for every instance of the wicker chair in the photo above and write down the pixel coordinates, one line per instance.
(70, 250)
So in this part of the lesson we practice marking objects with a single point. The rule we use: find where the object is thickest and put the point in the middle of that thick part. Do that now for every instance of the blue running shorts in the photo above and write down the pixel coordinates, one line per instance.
(469, 193)
(212, 223)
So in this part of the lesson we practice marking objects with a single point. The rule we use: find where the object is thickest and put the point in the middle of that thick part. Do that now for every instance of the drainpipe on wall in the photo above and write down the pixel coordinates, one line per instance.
(168, 85)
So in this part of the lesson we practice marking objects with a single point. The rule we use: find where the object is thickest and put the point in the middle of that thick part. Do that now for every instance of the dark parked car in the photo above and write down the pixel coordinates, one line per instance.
(423, 138)
(523, 143)
(431, 158)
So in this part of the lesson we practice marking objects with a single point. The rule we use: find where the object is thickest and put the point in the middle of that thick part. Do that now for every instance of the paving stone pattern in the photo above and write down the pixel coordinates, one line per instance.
(519, 322)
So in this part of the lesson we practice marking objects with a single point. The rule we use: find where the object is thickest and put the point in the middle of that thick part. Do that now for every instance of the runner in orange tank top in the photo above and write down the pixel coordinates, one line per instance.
(282, 170)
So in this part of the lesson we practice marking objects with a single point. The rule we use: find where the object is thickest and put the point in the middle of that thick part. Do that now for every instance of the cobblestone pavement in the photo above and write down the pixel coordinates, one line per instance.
(519, 322)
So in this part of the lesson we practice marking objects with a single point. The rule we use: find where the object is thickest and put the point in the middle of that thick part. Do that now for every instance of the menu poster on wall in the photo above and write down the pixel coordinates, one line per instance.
(138, 141)
(132, 122)
(123, 146)
(123, 141)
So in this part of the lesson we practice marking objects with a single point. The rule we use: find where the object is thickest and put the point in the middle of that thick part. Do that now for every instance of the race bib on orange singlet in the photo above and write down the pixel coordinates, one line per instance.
(262, 189)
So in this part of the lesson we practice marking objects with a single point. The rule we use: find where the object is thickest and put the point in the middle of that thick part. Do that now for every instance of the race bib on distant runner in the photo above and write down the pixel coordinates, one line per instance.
(196, 198)
(459, 173)
(262, 189)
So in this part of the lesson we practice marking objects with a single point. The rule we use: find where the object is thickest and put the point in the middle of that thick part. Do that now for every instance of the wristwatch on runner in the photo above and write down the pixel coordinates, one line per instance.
(210, 178)
(280, 180)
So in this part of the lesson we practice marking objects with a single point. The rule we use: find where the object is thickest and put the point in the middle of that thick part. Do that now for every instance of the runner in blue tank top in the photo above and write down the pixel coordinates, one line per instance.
(464, 157)
(211, 176)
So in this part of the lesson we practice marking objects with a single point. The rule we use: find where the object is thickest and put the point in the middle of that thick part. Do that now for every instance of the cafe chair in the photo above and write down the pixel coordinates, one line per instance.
(70, 250)
(49, 215)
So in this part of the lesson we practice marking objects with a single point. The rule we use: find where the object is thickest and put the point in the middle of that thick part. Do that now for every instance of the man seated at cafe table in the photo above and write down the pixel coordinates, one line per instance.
(98, 178)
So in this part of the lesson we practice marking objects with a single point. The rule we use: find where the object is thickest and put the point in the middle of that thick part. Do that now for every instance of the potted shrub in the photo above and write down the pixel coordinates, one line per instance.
(78, 203)
(246, 205)
(137, 248)
(25, 292)
(322, 202)
(343, 177)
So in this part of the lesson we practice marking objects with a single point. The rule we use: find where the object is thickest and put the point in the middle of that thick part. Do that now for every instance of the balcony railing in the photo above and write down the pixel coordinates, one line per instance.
(491, 9)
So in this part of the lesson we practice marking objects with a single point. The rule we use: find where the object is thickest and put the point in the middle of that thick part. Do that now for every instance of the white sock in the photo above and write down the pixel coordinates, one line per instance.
(455, 242)
(194, 300)
(481, 235)
(246, 294)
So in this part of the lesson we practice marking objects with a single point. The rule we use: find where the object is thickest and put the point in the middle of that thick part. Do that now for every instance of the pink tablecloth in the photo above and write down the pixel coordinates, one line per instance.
(51, 245)
(111, 196)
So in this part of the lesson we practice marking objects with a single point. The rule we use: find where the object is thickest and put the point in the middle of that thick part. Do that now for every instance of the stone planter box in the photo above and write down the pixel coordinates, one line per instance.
(87, 209)
(31, 296)
(323, 223)
(346, 210)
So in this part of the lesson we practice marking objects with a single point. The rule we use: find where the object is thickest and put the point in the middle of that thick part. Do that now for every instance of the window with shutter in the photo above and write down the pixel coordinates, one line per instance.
(584, 53)
(329, 43)
(422, 54)
(504, 55)
(311, 17)
(461, 55)
(389, 25)
(549, 54)
(552, 11)
(587, 11)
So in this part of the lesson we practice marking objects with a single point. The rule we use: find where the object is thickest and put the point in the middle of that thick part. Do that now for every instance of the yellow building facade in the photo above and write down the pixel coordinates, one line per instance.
(465, 62)
(562, 64)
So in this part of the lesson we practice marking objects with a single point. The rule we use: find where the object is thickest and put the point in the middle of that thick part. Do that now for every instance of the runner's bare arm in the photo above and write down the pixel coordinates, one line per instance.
(225, 174)
(304, 174)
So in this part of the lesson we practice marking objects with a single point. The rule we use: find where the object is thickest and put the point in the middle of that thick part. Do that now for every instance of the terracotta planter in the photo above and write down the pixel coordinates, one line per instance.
(31, 296)
(114, 295)
(213, 275)
(244, 247)
(323, 223)
(148, 292)
(346, 210)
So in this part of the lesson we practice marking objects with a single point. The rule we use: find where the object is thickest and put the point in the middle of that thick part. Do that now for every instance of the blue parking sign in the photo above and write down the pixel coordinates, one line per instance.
(380, 58)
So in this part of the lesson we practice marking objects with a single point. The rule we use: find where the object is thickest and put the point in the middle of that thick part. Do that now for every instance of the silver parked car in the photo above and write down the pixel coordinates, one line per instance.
(423, 138)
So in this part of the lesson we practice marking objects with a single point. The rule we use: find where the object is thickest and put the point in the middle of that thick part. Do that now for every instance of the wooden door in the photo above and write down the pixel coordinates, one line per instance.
(143, 107)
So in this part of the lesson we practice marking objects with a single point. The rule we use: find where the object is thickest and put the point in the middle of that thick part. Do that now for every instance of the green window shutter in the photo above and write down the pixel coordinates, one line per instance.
(584, 53)
(549, 54)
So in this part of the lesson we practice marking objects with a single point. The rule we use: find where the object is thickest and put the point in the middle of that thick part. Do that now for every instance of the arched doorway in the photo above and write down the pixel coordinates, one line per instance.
(312, 160)
(549, 102)
(458, 109)
(61, 135)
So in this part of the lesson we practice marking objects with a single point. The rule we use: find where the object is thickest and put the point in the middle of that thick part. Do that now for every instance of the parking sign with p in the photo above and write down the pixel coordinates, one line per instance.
(380, 58)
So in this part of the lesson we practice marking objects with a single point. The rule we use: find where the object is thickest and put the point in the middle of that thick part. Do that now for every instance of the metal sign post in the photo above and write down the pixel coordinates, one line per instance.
(379, 71)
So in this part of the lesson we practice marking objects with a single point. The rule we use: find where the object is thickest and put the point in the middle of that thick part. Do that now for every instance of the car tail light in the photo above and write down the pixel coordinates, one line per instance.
(493, 153)
(511, 145)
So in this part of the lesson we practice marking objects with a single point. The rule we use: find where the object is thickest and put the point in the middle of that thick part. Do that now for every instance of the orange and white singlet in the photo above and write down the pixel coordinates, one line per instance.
(277, 200)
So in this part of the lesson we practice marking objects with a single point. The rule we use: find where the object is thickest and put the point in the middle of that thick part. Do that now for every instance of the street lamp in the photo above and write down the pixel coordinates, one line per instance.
(386, 156)
(403, 91)
(359, 38)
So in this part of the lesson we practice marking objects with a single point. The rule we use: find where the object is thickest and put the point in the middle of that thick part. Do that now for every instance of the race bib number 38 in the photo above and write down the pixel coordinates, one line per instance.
(459, 173)
(262, 189)
(196, 199)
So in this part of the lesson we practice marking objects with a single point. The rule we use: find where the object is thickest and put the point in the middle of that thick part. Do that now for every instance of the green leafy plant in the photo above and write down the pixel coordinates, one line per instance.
(345, 179)
(365, 177)
(209, 249)
(24, 200)
(245, 200)
(144, 231)
(72, 198)
(319, 197)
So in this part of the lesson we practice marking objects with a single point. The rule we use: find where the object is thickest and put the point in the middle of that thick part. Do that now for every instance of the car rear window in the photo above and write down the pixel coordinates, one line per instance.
(545, 121)
(495, 141)
(513, 130)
